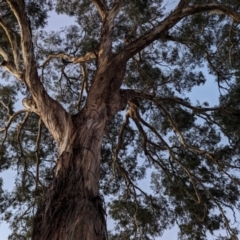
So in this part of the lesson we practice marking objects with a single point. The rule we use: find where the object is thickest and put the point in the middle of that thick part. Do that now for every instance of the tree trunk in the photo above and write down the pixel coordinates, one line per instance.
(72, 208)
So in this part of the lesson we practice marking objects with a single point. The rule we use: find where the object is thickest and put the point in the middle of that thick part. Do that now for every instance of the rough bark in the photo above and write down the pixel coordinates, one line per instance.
(73, 208)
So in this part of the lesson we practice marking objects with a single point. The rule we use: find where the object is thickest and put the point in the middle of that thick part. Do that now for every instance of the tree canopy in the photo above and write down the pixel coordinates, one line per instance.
(152, 53)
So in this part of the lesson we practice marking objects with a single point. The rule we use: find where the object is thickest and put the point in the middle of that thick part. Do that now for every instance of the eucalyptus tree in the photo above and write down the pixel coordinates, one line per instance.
(105, 104)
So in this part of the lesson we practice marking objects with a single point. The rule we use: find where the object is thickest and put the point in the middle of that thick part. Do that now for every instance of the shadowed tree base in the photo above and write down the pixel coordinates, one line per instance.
(70, 211)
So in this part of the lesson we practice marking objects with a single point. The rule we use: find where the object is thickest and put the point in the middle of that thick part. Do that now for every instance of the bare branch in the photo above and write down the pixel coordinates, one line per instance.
(4, 54)
(18, 9)
(176, 16)
(120, 135)
(11, 35)
(37, 180)
(115, 9)
(107, 32)
(129, 94)
(101, 7)
(11, 68)
(11, 119)
(84, 85)
(87, 57)
(52, 113)
(19, 133)
(182, 4)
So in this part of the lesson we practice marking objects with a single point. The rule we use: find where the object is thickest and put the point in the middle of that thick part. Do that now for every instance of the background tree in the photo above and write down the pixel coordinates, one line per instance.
(105, 104)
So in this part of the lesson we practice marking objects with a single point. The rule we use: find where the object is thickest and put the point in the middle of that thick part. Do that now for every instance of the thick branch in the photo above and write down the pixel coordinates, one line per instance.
(55, 118)
(182, 4)
(101, 7)
(11, 35)
(107, 31)
(129, 94)
(176, 16)
(115, 9)
(11, 68)
(18, 9)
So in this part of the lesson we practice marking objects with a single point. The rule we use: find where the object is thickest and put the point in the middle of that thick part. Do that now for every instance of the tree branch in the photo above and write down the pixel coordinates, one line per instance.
(176, 16)
(87, 57)
(11, 120)
(4, 54)
(54, 116)
(133, 113)
(19, 133)
(182, 4)
(11, 68)
(84, 85)
(101, 7)
(38, 160)
(107, 31)
(11, 35)
(115, 9)
(129, 94)
(18, 9)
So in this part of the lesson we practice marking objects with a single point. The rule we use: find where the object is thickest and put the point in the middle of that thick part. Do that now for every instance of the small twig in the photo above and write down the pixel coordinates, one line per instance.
(20, 127)
(37, 153)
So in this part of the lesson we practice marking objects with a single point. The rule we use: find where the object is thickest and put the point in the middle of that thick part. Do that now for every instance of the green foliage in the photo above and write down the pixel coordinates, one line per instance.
(38, 12)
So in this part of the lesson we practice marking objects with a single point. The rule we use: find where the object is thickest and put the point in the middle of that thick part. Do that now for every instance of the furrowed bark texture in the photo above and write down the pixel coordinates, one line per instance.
(73, 208)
